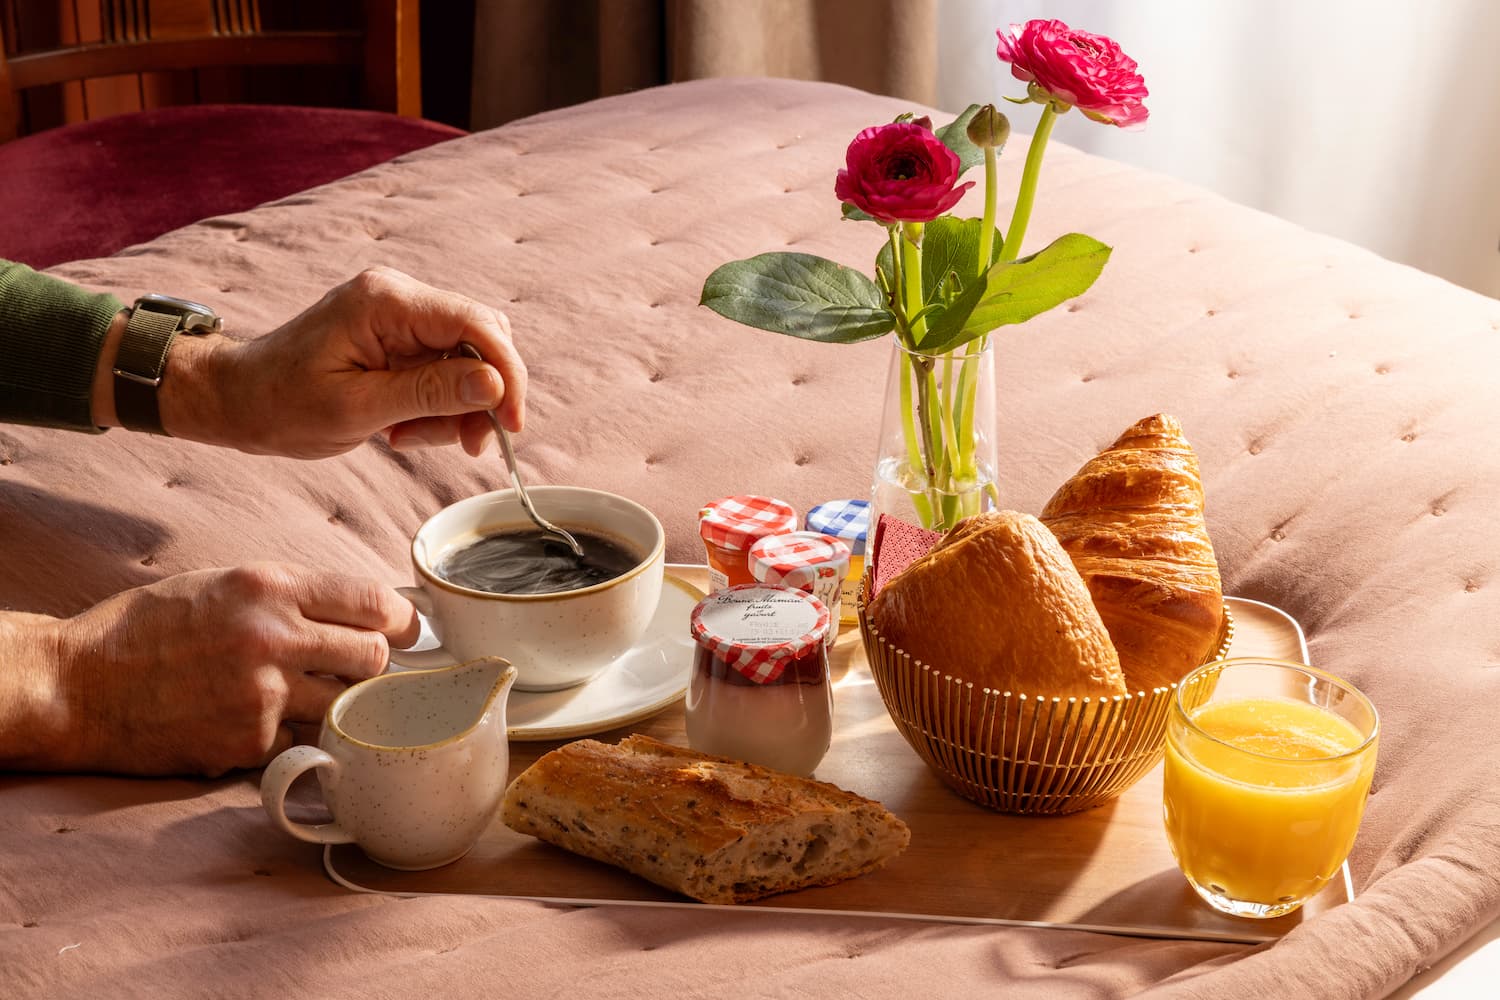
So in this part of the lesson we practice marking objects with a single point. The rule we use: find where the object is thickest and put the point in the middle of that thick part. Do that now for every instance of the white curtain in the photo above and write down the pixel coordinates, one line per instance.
(1377, 121)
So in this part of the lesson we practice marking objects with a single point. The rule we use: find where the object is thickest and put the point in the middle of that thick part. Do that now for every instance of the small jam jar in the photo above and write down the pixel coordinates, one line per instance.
(729, 527)
(848, 521)
(760, 690)
(806, 560)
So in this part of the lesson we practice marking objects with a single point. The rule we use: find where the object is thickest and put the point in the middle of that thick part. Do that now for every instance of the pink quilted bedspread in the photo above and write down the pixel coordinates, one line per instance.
(1342, 407)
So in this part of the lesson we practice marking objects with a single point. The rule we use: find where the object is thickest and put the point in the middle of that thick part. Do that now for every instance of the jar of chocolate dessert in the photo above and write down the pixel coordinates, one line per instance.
(760, 690)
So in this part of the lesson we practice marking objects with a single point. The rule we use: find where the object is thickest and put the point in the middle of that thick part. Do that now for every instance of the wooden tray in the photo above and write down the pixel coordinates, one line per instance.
(1107, 869)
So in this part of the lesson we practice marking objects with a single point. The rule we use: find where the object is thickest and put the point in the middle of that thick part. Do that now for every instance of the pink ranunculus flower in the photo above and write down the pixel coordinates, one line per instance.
(900, 173)
(1085, 70)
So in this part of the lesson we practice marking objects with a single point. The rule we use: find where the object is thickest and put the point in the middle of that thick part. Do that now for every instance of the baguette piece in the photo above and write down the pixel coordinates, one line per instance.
(1132, 522)
(997, 603)
(718, 830)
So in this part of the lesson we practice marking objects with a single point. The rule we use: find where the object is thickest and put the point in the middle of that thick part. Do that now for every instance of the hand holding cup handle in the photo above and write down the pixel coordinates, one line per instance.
(422, 659)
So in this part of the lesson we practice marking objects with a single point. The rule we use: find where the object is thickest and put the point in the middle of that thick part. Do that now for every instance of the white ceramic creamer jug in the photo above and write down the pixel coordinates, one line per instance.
(412, 765)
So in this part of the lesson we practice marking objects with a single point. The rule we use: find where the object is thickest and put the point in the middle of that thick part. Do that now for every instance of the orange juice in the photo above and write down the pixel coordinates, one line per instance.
(1262, 798)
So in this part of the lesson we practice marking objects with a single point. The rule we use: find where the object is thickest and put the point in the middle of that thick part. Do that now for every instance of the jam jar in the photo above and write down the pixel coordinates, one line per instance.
(760, 690)
(849, 522)
(730, 526)
(813, 563)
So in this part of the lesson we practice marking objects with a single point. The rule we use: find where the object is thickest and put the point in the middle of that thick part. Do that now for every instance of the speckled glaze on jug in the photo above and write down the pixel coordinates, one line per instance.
(412, 765)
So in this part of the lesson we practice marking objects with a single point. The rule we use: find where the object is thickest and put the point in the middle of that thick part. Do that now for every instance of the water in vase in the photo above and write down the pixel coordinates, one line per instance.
(901, 493)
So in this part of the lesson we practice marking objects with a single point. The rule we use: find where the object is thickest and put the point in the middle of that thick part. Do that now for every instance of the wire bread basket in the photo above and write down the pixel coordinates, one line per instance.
(1016, 753)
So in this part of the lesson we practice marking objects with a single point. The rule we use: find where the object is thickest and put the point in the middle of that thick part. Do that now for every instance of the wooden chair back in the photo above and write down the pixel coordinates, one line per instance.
(118, 55)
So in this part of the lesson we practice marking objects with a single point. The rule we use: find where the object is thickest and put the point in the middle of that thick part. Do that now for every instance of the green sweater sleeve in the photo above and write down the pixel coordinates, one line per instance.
(51, 333)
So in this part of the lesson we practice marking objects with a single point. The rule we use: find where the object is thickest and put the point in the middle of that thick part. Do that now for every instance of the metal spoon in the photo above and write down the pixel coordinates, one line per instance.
(515, 475)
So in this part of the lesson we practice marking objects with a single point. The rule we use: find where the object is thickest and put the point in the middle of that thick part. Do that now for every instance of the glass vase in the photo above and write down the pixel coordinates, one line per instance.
(936, 459)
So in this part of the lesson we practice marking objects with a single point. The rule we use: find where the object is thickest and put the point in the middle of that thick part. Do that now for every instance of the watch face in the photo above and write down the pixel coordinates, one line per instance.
(196, 317)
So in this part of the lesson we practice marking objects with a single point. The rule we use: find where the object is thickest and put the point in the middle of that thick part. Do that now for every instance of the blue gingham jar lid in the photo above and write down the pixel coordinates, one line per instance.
(848, 520)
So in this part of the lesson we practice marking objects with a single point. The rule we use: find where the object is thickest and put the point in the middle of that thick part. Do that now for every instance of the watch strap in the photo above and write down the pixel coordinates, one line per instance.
(139, 364)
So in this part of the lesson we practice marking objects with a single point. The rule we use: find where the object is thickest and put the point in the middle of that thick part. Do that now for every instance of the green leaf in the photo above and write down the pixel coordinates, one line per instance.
(857, 215)
(955, 135)
(949, 245)
(1017, 291)
(801, 296)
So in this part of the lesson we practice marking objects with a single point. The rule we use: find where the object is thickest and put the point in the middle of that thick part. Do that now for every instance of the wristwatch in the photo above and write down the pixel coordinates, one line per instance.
(154, 322)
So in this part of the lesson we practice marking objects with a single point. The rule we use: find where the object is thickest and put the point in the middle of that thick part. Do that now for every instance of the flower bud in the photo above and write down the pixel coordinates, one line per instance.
(989, 129)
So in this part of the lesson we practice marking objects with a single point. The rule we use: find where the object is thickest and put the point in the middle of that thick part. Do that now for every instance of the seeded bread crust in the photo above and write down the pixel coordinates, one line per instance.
(714, 829)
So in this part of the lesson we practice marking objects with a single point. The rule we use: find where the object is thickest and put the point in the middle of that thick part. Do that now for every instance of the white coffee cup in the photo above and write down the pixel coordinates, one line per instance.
(413, 766)
(554, 640)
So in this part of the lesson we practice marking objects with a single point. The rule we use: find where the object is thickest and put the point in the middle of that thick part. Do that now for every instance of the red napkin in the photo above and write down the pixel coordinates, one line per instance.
(897, 545)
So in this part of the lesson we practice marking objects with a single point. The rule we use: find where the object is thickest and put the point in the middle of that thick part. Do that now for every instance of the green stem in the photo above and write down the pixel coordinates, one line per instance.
(933, 455)
(909, 431)
(1027, 194)
(914, 461)
(968, 385)
(922, 371)
(911, 267)
(987, 233)
(949, 421)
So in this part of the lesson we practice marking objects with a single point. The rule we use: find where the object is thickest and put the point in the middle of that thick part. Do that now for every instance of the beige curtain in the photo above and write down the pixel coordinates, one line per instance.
(532, 55)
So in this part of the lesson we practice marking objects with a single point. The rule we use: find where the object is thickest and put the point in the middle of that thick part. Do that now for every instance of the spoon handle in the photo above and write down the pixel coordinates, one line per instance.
(515, 474)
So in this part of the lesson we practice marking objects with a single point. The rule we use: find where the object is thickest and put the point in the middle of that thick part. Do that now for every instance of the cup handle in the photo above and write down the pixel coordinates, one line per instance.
(278, 777)
(437, 656)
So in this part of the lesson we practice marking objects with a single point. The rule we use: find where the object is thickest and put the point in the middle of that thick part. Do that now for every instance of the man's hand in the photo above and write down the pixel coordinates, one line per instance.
(204, 672)
(377, 354)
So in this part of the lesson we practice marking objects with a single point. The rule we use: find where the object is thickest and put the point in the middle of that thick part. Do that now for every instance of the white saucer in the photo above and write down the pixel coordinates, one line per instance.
(650, 676)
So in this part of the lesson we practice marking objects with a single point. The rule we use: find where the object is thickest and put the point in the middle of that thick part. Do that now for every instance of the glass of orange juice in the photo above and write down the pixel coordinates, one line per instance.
(1268, 764)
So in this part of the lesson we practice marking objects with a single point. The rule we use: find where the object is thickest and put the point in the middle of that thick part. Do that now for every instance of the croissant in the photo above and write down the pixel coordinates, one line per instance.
(997, 603)
(1132, 521)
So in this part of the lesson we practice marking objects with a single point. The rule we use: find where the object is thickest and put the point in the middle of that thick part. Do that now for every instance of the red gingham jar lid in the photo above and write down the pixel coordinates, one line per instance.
(758, 630)
(736, 523)
(798, 559)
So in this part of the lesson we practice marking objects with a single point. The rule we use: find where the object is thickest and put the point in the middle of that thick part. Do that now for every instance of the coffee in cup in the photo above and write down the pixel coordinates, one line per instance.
(532, 561)
(555, 639)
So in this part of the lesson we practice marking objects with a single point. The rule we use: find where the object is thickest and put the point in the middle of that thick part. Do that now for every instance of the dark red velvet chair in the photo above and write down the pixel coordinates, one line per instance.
(93, 187)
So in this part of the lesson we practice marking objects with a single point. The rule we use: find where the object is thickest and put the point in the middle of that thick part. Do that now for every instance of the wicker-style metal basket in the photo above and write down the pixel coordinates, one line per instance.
(1017, 753)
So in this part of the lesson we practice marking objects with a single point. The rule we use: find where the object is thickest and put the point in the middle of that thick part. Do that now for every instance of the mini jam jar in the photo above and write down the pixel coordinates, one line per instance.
(849, 522)
(730, 526)
(813, 563)
(760, 690)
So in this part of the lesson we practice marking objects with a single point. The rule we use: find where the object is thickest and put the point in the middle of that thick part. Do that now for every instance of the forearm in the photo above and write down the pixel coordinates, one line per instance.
(51, 337)
(34, 716)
